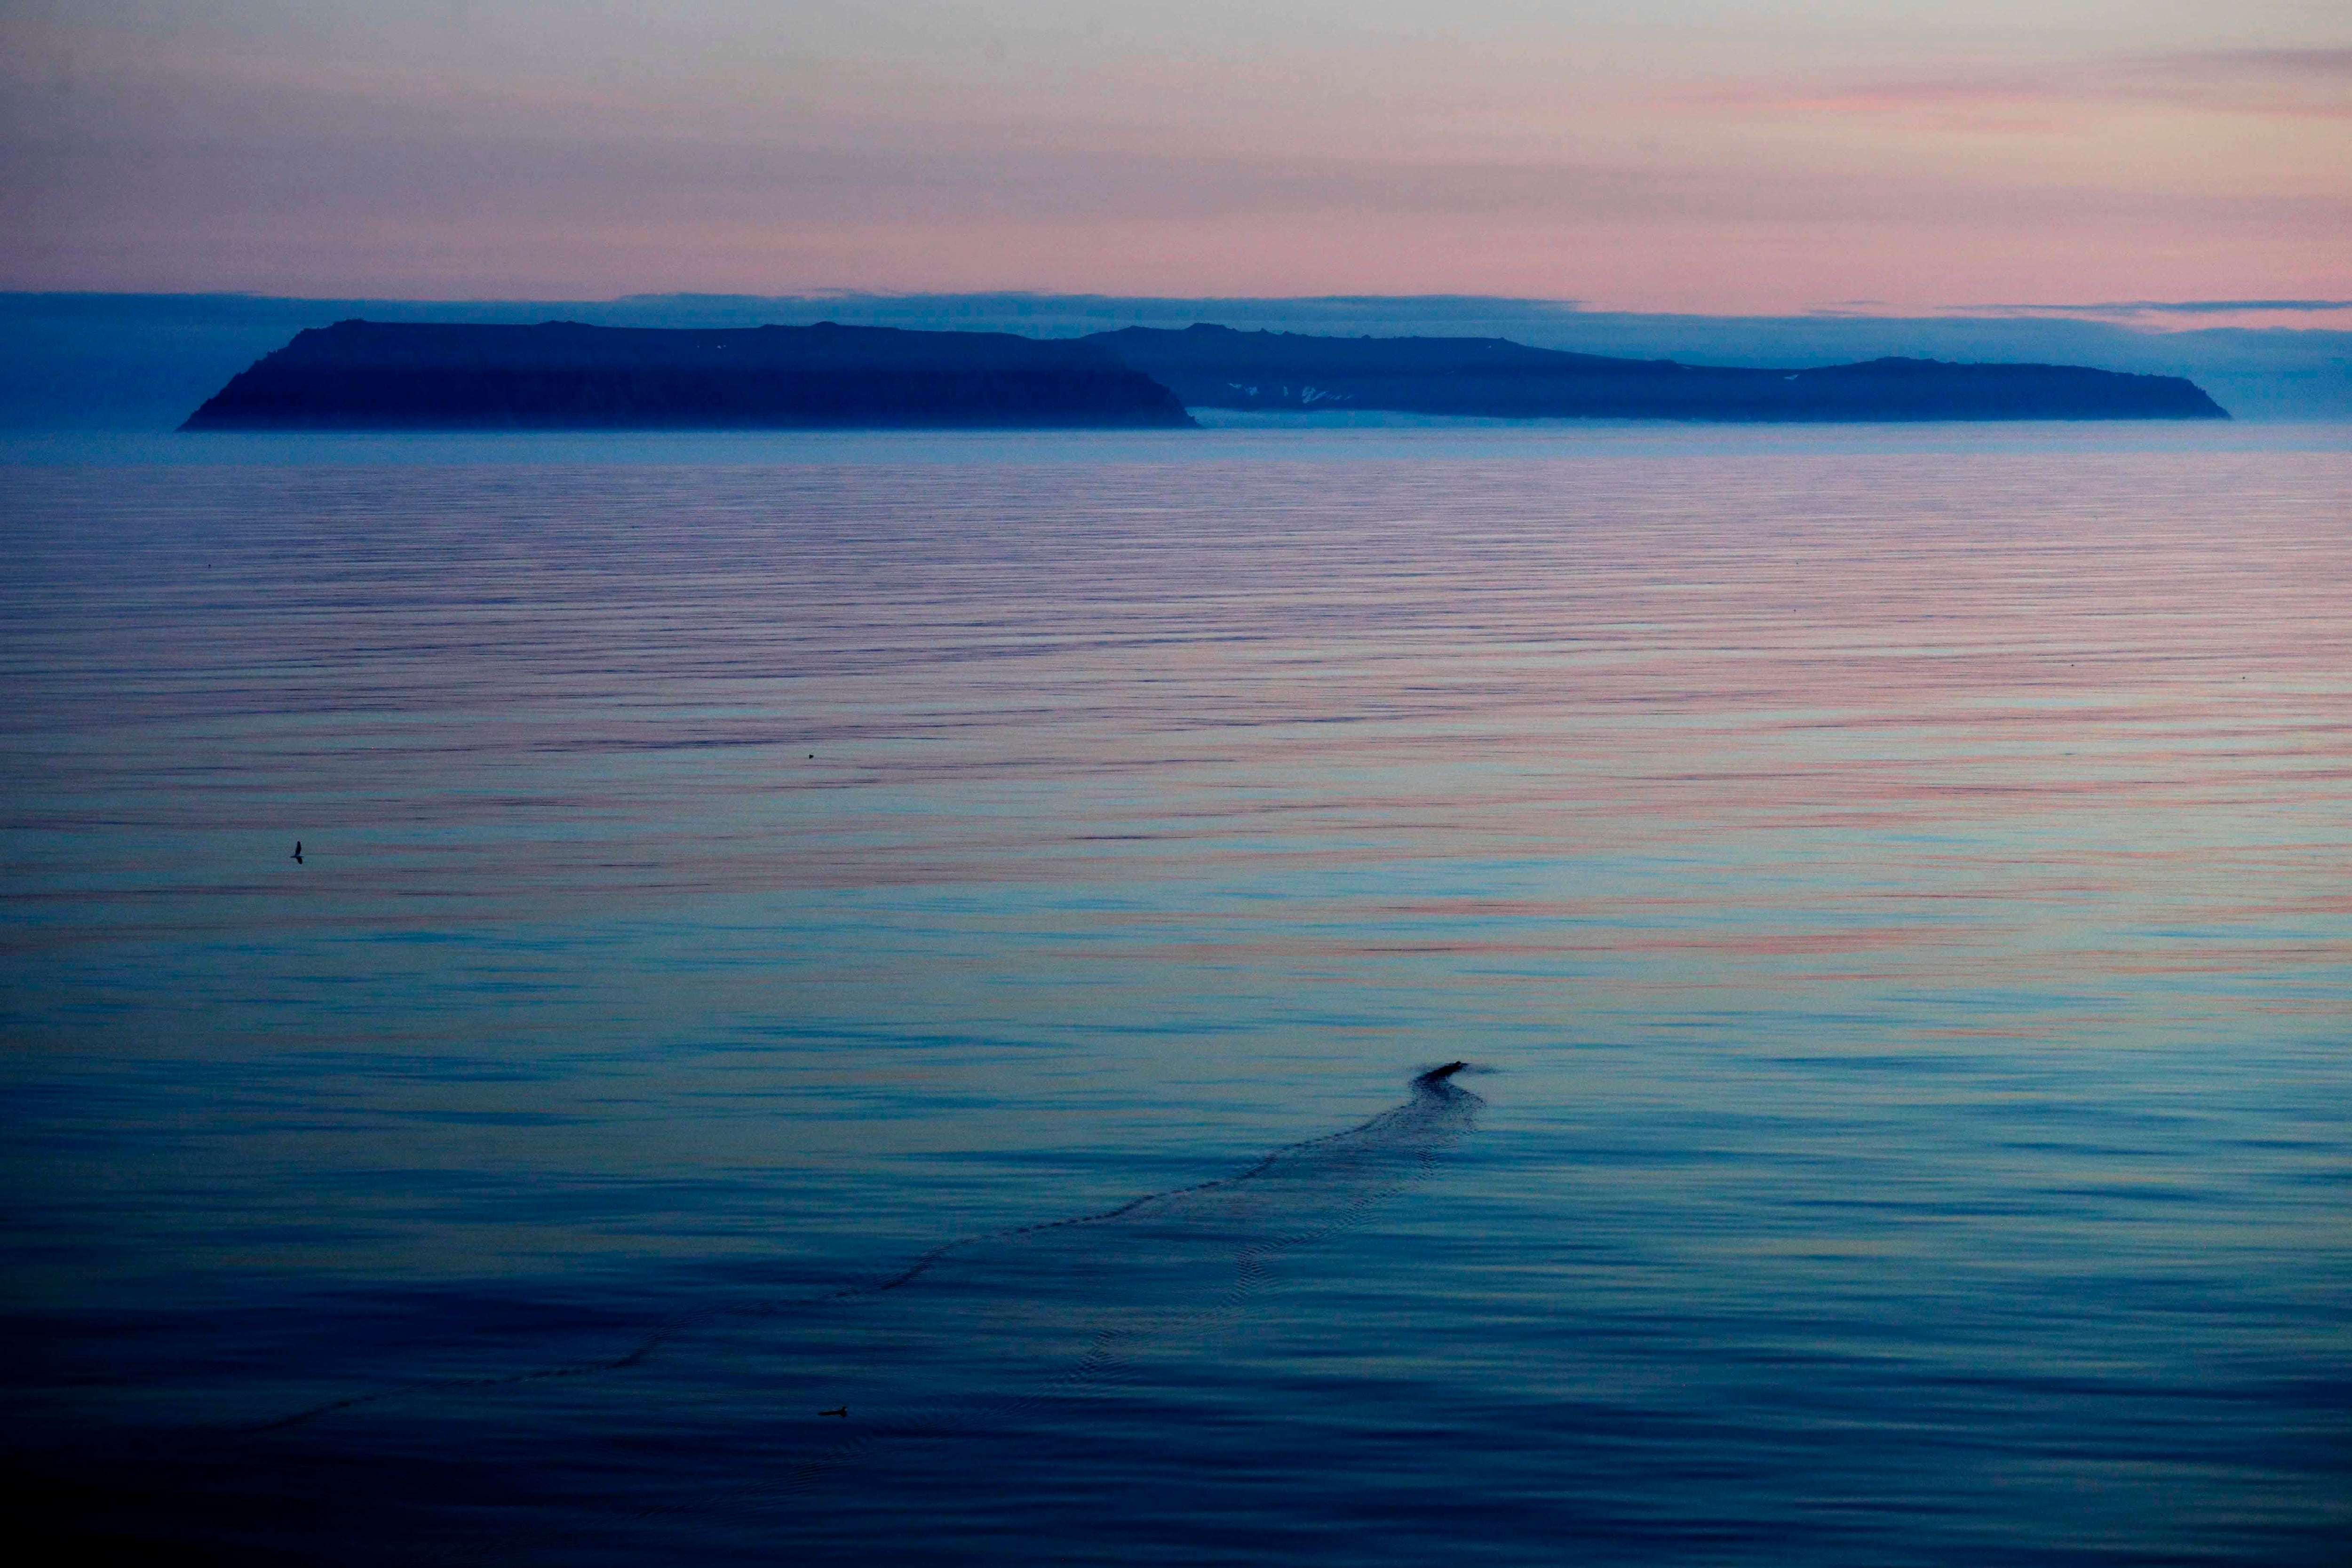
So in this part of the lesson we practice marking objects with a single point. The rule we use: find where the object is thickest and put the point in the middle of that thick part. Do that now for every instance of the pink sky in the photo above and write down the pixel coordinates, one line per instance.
(1699, 156)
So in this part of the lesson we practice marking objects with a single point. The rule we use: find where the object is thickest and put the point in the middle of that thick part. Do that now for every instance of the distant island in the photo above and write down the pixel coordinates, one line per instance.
(564, 375)
(1217, 367)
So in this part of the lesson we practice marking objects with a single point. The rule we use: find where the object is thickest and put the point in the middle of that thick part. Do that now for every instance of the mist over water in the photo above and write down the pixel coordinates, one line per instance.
(763, 925)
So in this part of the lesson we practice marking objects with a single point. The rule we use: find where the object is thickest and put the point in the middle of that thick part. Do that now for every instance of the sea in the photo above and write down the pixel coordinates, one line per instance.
(1359, 997)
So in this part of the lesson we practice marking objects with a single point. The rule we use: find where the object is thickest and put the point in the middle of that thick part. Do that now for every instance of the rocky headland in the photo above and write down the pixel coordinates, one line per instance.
(1216, 367)
(563, 375)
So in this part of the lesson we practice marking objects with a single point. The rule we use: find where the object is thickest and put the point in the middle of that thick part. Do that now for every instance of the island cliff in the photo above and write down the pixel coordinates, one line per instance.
(562, 375)
(1217, 367)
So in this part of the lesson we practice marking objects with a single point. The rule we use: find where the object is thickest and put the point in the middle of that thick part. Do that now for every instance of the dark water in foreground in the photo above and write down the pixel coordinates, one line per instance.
(1893, 894)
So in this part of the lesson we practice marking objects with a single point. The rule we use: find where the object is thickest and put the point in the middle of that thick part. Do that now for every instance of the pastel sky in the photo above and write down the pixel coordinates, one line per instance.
(1685, 155)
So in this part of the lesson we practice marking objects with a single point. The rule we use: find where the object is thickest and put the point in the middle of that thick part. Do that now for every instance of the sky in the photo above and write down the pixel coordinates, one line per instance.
(2162, 163)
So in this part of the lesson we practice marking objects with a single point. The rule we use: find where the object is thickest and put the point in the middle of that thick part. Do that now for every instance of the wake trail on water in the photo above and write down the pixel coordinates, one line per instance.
(1010, 1325)
(1168, 1264)
(1293, 1193)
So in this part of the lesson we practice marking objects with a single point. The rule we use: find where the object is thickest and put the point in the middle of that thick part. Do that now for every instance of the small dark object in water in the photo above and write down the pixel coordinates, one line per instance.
(842, 1411)
(298, 852)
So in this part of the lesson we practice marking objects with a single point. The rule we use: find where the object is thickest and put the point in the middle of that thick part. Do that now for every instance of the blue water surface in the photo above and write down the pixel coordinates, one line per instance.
(769, 906)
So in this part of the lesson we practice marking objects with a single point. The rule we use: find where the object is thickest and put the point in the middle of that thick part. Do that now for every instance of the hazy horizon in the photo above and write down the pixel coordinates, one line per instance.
(127, 362)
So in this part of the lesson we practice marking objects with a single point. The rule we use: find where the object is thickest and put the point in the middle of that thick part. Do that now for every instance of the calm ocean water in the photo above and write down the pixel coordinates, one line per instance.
(769, 908)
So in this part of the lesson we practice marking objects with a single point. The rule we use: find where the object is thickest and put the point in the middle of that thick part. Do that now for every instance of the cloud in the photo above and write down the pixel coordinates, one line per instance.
(2304, 83)
(2171, 307)
(205, 153)
(1440, 166)
(2334, 64)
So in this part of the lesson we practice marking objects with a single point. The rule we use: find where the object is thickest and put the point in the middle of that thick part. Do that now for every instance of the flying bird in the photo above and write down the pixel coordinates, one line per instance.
(298, 852)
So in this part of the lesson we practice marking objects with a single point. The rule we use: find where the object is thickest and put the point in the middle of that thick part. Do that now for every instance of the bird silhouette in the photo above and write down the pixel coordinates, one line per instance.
(842, 1411)
(298, 852)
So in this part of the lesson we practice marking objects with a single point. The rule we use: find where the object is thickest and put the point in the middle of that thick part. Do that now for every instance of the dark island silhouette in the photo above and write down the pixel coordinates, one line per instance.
(563, 375)
(1218, 367)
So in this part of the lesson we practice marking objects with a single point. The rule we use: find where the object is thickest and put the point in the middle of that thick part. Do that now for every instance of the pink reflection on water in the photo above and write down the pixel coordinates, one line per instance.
(1956, 711)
